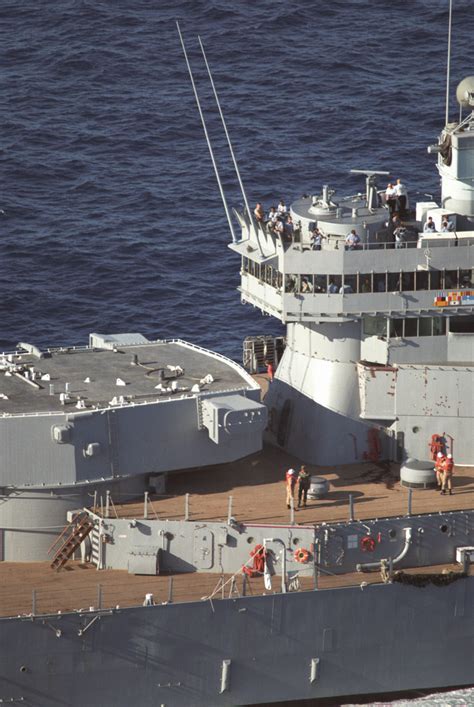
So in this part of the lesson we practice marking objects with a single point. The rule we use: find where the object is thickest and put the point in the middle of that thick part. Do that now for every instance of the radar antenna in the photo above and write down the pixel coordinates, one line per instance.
(448, 68)
(221, 190)
(370, 183)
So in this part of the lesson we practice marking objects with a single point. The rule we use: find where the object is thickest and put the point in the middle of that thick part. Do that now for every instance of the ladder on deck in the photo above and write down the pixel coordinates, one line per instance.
(71, 537)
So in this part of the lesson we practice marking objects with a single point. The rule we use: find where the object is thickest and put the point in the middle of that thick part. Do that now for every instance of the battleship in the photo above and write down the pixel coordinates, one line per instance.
(147, 552)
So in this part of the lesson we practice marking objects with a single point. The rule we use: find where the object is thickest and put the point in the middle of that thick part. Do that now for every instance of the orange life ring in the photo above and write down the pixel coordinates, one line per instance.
(367, 544)
(301, 555)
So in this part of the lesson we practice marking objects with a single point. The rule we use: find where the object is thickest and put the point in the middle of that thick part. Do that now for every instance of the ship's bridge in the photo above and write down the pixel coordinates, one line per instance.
(425, 275)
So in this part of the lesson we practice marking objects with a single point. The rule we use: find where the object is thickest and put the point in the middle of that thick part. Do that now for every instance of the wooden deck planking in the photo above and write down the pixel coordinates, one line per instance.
(75, 587)
(257, 487)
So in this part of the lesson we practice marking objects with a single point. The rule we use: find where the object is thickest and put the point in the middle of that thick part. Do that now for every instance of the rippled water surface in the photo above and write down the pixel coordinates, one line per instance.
(113, 220)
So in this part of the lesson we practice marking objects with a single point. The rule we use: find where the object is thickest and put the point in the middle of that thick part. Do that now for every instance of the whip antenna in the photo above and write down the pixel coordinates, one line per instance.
(221, 190)
(448, 68)
(247, 208)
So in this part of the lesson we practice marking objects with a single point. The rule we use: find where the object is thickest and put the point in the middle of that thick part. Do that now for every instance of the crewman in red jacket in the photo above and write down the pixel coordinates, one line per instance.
(439, 468)
(448, 475)
(290, 486)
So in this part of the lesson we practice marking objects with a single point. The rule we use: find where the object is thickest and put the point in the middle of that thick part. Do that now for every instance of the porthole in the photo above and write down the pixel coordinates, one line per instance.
(415, 429)
(443, 528)
(250, 540)
(392, 533)
(296, 541)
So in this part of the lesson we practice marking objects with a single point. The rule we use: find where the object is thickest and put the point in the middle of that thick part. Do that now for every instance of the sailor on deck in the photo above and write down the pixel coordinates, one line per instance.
(281, 208)
(304, 482)
(259, 213)
(429, 226)
(290, 486)
(439, 468)
(352, 240)
(448, 475)
(402, 197)
(446, 225)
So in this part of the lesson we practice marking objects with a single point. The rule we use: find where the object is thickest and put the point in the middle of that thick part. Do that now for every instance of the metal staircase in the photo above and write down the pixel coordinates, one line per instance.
(70, 539)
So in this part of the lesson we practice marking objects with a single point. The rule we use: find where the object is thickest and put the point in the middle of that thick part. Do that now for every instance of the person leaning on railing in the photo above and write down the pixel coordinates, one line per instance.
(352, 240)
(429, 226)
(316, 239)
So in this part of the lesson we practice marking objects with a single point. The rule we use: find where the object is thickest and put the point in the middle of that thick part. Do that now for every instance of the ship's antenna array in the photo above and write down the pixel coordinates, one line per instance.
(448, 68)
(247, 208)
(221, 190)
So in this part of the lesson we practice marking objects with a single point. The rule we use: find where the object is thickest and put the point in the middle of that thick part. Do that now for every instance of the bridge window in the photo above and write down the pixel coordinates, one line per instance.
(411, 327)
(306, 284)
(435, 279)
(439, 326)
(450, 279)
(290, 283)
(335, 284)
(462, 325)
(422, 279)
(393, 282)
(380, 282)
(350, 283)
(365, 282)
(396, 328)
(465, 278)
(425, 326)
(320, 283)
(375, 326)
(408, 281)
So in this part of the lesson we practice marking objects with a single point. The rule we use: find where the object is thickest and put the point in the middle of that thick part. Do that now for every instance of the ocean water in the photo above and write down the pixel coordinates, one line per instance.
(112, 217)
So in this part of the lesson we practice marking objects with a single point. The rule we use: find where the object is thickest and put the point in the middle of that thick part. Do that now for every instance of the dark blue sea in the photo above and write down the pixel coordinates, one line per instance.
(112, 217)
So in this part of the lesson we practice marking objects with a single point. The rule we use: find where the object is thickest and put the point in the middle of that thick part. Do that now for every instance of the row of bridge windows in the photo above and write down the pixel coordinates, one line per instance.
(362, 282)
(405, 328)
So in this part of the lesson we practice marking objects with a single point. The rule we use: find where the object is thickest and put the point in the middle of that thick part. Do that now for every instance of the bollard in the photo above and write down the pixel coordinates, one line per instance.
(229, 510)
(170, 591)
(186, 507)
(145, 505)
(351, 507)
(410, 495)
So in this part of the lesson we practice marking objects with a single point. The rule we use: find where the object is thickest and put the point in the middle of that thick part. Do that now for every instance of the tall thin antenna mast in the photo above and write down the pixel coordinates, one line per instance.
(448, 69)
(247, 208)
(221, 190)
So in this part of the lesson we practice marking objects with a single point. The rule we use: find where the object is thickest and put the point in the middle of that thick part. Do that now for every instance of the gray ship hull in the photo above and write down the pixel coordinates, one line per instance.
(359, 640)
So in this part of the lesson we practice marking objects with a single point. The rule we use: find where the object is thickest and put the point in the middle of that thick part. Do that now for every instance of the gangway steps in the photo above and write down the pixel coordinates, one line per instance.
(72, 536)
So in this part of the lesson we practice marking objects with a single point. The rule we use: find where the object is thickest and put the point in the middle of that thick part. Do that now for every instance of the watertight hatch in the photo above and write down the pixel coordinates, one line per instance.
(203, 549)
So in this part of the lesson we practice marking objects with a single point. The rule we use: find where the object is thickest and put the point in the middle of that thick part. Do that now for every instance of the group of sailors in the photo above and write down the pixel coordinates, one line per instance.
(396, 198)
(278, 221)
(447, 226)
(300, 481)
(444, 466)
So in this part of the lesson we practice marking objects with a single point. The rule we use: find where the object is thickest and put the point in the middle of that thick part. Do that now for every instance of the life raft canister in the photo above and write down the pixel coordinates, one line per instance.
(367, 544)
(301, 555)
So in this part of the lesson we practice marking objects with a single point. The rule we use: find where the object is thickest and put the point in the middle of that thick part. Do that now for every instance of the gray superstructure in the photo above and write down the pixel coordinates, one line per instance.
(116, 415)
(380, 339)
(379, 357)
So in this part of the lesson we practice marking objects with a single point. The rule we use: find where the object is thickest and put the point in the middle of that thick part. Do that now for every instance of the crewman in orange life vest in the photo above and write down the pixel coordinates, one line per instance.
(448, 475)
(290, 486)
(439, 468)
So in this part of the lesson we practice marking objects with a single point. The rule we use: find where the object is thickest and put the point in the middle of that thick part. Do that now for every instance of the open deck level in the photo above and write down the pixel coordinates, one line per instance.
(257, 487)
(76, 587)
